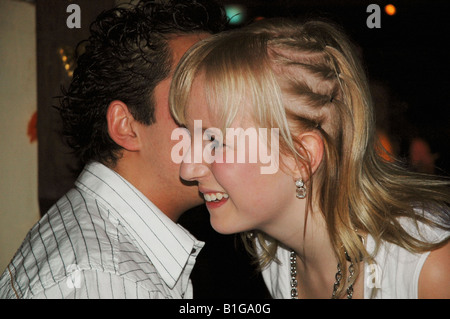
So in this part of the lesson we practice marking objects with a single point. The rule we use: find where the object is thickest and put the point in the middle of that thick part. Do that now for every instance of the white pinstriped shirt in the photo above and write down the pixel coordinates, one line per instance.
(103, 239)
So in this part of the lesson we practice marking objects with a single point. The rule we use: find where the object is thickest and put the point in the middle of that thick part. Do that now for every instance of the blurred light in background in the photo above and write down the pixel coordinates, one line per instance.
(236, 13)
(390, 9)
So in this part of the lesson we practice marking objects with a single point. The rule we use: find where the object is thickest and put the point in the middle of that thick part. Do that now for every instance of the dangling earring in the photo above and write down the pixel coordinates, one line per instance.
(301, 190)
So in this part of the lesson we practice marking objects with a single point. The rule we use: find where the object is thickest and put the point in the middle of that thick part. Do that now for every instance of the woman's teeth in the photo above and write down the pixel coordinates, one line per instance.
(211, 197)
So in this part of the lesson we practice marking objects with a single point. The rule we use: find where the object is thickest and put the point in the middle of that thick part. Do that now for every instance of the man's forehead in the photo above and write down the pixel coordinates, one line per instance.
(181, 43)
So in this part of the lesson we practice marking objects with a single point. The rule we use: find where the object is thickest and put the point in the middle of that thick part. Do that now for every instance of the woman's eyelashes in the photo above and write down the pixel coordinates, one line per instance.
(215, 142)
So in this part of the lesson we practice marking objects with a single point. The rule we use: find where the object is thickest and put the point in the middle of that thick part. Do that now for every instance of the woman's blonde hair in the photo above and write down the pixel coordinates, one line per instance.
(307, 76)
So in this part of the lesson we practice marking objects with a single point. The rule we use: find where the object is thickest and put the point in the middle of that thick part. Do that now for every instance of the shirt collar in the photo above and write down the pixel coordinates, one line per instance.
(167, 244)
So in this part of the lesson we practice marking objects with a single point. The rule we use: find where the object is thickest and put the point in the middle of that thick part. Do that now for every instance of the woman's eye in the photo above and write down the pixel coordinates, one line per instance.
(215, 143)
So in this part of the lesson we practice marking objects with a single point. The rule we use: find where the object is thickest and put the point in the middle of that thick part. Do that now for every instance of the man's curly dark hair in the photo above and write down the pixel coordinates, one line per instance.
(126, 56)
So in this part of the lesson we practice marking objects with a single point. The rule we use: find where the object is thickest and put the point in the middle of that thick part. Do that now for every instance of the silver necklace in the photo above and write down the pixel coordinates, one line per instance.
(338, 277)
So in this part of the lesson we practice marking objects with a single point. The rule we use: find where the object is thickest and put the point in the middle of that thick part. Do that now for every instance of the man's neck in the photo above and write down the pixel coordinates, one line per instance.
(156, 188)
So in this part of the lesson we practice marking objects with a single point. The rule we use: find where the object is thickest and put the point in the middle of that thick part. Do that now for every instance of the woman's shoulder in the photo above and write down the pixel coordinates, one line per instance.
(396, 270)
(435, 274)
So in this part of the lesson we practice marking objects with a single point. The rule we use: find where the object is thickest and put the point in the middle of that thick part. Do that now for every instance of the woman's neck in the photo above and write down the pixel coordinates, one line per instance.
(316, 260)
(313, 245)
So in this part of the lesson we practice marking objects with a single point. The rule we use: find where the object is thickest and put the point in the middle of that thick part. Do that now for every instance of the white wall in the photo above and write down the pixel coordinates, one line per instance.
(19, 208)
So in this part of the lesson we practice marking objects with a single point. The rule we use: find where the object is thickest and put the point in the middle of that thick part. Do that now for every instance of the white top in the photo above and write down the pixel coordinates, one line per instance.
(103, 239)
(394, 276)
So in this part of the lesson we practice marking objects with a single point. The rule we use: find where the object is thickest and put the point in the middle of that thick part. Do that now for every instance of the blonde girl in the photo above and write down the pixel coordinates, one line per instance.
(336, 220)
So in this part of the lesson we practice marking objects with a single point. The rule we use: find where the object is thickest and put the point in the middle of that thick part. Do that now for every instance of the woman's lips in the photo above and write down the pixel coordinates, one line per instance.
(216, 203)
(214, 199)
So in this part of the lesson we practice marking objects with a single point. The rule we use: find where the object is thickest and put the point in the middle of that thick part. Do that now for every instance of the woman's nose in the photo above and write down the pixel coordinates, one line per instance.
(193, 167)
(191, 171)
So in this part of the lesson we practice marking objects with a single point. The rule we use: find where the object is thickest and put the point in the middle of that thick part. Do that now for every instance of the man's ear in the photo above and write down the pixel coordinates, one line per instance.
(121, 126)
(310, 146)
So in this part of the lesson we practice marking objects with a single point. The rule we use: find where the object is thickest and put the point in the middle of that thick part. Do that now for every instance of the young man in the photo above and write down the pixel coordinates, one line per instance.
(115, 234)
